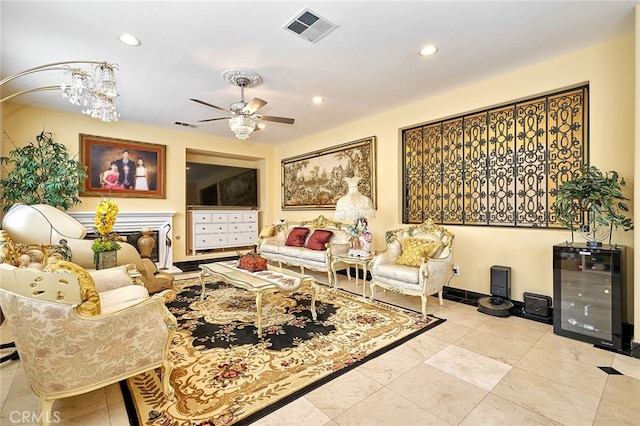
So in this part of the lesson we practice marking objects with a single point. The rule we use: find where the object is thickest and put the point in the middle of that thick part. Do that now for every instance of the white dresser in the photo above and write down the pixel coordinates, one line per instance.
(217, 229)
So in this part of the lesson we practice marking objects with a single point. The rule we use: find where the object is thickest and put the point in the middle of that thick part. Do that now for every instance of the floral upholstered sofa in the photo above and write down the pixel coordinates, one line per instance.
(310, 244)
(77, 331)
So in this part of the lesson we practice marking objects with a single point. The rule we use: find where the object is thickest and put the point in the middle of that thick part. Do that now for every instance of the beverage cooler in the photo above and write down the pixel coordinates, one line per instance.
(588, 293)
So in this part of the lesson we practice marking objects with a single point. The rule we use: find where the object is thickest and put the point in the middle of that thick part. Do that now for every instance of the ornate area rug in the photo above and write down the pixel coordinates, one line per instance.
(224, 374)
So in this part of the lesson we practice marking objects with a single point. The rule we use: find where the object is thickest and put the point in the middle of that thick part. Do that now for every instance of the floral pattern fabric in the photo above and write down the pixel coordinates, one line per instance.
(225, 373)
(62, 352)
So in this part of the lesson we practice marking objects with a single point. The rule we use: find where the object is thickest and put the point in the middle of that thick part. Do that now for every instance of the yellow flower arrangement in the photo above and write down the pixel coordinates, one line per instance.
(106, 213)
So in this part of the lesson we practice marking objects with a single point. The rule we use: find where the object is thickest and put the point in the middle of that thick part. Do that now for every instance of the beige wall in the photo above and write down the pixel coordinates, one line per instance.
(609, 69)
(22, 124)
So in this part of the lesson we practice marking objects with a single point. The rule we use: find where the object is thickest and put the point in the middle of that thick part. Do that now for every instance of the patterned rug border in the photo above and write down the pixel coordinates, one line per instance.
(132, 411)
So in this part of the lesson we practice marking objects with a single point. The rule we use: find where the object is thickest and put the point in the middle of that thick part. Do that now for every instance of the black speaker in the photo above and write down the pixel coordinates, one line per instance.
(501, 281)
(536, 304)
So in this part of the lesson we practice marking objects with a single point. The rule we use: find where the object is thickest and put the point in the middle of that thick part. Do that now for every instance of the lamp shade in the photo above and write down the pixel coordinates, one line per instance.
(354, 205)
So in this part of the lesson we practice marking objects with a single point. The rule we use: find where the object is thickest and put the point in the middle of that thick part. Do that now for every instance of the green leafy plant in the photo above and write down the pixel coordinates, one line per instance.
(597, 193)
(108, 242)
(41, 173)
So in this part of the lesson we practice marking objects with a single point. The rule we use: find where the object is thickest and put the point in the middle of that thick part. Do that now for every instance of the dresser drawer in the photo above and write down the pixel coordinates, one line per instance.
(236, 217)
(241, 239)
(241, 227)
(210, 228)
(206, 241)
(250, 217)
(219, 217)
(202, 217)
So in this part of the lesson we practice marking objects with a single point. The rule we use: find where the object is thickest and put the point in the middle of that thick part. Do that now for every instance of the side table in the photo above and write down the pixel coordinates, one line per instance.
(362, 262)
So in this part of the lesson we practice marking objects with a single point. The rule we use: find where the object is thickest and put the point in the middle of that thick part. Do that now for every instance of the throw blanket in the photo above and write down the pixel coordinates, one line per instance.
(283, 281)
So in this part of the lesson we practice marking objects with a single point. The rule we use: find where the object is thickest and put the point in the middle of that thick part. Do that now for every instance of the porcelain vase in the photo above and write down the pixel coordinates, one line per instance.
(146, 242)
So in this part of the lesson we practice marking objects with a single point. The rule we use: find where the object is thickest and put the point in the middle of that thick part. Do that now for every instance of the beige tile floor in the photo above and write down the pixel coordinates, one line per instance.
(474, 369)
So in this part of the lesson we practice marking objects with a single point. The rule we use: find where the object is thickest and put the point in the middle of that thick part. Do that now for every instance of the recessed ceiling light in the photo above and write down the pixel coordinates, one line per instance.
(429, 50)
(317, 99)
(261, 126)
(129, 40)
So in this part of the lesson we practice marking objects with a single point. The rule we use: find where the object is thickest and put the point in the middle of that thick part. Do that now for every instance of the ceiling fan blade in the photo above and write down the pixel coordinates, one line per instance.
(213, 119)
(211, 106)
(276, 119)
(254, 105)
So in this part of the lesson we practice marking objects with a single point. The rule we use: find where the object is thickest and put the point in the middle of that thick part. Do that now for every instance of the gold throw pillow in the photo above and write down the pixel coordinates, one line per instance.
(414, 250)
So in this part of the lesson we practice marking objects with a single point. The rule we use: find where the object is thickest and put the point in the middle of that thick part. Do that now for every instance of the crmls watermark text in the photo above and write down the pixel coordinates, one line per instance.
(33, 417)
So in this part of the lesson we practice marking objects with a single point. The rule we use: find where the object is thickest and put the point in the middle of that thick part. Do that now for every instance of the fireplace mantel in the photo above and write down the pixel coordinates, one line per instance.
(133, 222)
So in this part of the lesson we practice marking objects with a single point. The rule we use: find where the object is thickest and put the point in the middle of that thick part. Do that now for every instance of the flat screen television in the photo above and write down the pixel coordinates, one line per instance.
(218, 185)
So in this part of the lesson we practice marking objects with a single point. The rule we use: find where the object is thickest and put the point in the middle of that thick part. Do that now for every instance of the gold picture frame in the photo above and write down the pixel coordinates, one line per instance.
(108, 175)
(315, 180)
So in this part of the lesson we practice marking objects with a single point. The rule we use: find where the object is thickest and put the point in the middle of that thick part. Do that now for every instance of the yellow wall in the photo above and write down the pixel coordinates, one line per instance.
(609, 69)
(22, 124)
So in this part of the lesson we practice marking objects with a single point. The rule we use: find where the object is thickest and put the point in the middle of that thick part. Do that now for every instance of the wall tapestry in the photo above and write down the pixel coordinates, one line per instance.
(315, 180)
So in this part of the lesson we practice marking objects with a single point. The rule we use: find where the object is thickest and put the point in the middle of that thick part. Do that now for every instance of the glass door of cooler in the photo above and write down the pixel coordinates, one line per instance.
(588, 294)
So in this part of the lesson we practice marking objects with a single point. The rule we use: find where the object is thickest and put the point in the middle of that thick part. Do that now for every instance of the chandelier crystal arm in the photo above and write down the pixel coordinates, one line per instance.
(48, 67)
(22, 92)
(92, 90)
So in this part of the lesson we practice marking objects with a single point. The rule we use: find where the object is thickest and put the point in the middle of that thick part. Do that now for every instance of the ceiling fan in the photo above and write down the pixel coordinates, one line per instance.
(242, 116)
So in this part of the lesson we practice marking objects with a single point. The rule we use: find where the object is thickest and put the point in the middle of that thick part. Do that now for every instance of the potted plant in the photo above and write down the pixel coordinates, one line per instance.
(41, 173)
(596, 195)
(106, 246)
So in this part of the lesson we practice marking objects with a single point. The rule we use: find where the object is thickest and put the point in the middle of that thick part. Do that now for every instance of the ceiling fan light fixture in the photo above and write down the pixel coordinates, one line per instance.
(242, 126)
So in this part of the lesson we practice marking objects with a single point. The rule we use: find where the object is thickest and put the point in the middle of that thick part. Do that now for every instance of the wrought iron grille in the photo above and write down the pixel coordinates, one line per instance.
(497, 167)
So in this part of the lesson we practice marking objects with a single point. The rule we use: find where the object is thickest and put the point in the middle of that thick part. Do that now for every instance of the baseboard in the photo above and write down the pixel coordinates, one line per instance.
(471, 298)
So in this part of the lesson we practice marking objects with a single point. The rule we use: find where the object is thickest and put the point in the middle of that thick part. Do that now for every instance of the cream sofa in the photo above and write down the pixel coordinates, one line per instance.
(72, 340)
(416, 261)
(272, 245)
(44, 224)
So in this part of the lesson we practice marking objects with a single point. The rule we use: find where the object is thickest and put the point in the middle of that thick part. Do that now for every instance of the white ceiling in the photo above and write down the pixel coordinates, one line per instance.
(368, 65)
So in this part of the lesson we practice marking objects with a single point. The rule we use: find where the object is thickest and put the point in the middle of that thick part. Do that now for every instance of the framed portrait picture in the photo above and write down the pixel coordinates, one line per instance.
(122, 168)
(315, 180)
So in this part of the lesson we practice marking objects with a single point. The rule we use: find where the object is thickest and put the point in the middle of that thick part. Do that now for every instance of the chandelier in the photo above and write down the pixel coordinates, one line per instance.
(242, 126)
(92, 90)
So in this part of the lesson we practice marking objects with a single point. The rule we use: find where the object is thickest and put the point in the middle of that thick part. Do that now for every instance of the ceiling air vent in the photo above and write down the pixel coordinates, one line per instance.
(309, 25)
(180, 123)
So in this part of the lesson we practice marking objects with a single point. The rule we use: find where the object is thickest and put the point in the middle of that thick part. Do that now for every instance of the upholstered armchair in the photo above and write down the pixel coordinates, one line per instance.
(416, 262)
(71, 340)
(44, 224)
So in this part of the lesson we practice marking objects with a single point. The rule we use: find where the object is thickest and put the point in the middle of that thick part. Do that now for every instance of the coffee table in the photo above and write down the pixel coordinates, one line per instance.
(254, 282)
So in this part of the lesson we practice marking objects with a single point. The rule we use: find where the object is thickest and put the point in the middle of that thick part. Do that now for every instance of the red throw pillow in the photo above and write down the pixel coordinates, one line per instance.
(296, 237)
(318, 239)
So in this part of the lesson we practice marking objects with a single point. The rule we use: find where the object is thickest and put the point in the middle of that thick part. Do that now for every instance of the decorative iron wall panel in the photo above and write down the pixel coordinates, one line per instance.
(498, 167)
(413, 161)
